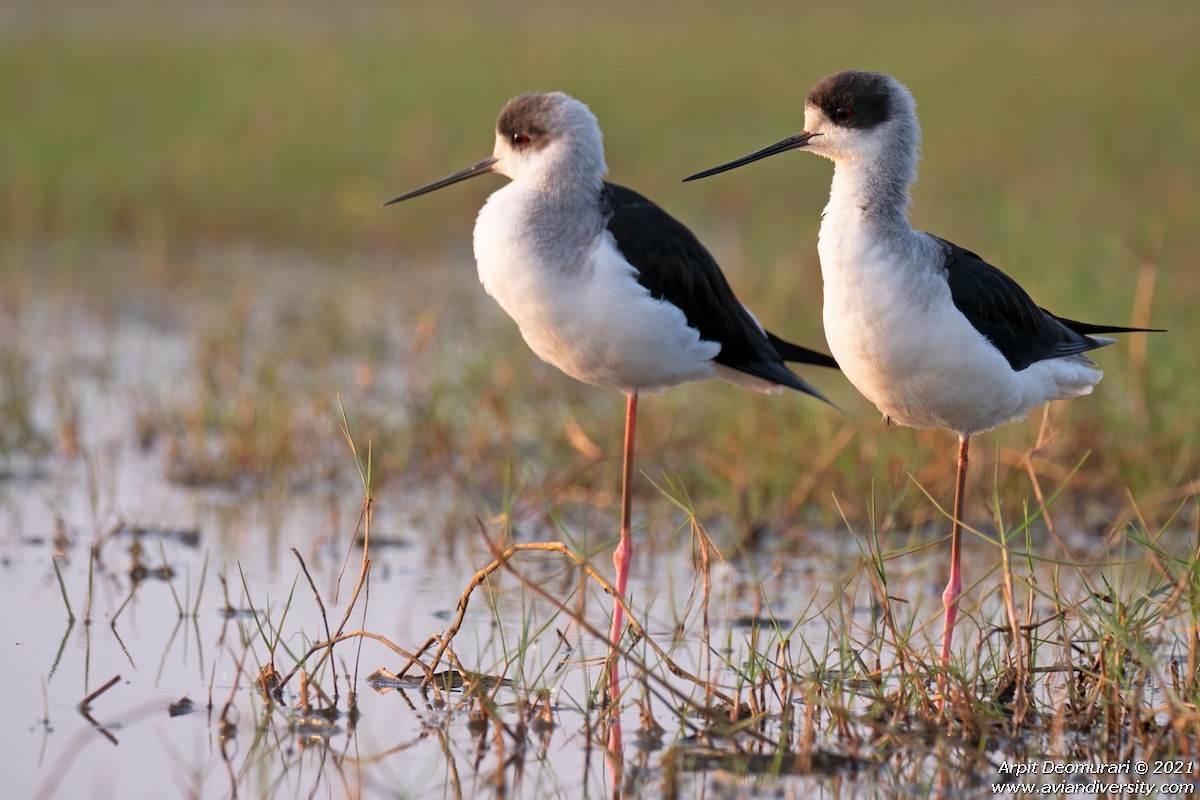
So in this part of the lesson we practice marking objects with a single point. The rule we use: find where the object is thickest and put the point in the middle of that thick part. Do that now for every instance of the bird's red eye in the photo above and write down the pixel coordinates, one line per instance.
(843, 114)
(520, 139)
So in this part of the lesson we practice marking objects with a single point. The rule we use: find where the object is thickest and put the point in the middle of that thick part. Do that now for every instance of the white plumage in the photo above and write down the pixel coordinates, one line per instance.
(581, 308)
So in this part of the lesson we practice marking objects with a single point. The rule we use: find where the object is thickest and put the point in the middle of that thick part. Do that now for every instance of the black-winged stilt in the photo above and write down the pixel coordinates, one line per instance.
(929, 332)
(604, 284)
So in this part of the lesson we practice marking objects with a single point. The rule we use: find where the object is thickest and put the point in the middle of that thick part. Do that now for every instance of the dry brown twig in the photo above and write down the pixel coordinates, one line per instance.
(502, 558)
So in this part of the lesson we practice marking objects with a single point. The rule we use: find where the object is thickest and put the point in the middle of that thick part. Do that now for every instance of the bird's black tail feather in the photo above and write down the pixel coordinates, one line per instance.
(799, 355)
(1088, 329)
(777, 372)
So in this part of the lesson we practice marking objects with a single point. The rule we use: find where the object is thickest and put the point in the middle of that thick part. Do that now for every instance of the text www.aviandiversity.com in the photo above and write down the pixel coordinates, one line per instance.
(1093, 787)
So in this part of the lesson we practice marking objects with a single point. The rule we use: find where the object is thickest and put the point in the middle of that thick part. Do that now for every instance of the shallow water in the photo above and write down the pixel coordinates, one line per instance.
(130, 743)
(168, 570)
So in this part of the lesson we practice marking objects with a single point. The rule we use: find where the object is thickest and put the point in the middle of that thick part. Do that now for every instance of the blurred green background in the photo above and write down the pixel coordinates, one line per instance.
(1061, 142)
(288, 122)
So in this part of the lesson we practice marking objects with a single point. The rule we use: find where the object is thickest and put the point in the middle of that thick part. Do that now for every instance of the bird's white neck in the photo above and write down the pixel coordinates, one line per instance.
(871, 195)
(535, 230)
(564, 215)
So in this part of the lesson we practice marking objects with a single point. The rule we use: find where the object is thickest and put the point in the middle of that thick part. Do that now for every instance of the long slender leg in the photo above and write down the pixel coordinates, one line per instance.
(624, 552)
(954, 585)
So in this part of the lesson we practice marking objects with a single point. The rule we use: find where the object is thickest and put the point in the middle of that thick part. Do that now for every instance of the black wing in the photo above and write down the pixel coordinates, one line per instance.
(1002, 311)
(675, 267)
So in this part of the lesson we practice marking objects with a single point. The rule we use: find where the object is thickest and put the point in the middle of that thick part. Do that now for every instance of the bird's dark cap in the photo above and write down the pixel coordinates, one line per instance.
(867, 94)
(527, 114)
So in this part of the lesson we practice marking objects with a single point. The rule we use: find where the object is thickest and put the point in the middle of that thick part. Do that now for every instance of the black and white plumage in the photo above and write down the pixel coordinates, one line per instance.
(674, 267)
(604, 284)
(928, 331)
(999, 309)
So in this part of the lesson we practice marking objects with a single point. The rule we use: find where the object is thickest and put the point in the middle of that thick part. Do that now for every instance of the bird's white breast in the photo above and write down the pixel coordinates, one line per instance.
(900, 340)
(578, 304)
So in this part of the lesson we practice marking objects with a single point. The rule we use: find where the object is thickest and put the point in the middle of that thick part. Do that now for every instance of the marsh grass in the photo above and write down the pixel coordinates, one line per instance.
(1068, 660)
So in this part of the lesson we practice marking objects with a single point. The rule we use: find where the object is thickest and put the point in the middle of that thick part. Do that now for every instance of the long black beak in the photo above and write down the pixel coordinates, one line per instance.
(790, 143)
(482, 168)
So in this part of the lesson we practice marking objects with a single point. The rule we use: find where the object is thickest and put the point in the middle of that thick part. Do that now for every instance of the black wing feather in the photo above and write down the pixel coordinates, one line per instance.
(674, 266)
(798, 354)
(1002, 311)
(1089, 328)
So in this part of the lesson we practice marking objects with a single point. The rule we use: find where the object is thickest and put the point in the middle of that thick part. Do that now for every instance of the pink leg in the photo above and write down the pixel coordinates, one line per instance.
(623, 555)
(616, 756)
(954, 585)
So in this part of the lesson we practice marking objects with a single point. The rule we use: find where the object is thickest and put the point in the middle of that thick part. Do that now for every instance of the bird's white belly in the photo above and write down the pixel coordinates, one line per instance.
(921, 365)
(586, 314)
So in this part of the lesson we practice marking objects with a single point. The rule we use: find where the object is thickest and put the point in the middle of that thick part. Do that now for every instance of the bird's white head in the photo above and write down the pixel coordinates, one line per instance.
(856, 115)
(549, 136)
(853, 116)
(550, 140)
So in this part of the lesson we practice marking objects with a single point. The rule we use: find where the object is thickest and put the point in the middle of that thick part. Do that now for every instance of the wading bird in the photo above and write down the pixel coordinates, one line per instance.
(603, 283)
(929, 332)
